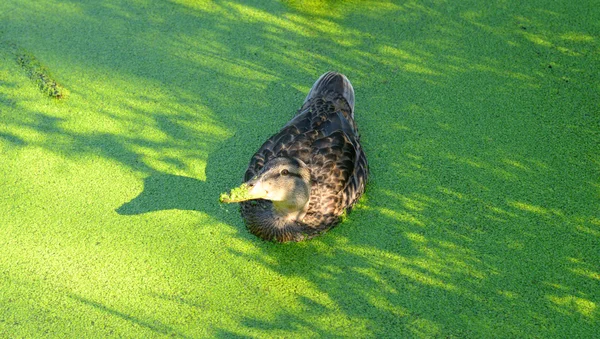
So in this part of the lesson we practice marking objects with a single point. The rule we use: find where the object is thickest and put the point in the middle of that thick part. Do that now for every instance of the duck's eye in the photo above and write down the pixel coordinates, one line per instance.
(285, 172)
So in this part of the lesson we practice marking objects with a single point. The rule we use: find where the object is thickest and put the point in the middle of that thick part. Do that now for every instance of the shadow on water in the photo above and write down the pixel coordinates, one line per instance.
(470, 226)
(164, 191)
(154, 326)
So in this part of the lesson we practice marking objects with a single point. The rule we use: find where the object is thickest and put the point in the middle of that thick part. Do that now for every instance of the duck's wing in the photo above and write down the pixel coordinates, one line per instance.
(338, 161)
(355, 185)
(331, 103)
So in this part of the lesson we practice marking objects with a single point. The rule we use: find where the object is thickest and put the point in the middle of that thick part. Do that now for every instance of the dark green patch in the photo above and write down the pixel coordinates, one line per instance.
(40, 75)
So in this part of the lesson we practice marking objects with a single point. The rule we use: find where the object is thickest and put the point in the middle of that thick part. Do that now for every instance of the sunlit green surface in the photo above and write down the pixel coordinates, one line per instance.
(480, 121)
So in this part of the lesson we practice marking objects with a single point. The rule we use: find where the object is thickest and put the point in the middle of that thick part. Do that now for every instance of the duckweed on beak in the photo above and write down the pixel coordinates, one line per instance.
(238, 194)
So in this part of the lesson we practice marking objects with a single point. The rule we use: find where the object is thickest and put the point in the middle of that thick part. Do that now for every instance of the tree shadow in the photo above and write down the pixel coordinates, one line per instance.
(154, 326)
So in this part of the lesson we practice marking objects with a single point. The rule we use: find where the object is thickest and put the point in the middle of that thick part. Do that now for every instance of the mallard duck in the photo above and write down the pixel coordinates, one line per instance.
(303, 179)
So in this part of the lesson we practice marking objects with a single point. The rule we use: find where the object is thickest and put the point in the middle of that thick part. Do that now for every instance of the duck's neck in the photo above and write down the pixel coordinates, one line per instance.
(294, 204)
(267, 223)
(290, 211)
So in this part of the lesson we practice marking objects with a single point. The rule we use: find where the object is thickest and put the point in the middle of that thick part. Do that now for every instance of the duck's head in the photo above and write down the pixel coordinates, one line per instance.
(284, 181)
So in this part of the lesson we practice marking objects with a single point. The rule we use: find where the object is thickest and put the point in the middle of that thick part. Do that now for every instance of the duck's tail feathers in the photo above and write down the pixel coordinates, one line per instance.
(332, 82)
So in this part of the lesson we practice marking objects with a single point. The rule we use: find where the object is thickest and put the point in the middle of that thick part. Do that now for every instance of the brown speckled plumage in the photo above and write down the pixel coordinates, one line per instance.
(324, 136)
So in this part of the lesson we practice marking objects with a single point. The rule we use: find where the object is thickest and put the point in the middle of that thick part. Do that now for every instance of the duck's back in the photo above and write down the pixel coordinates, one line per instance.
(323, 135)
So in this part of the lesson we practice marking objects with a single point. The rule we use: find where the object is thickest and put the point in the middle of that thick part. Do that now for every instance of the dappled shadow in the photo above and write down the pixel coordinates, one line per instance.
(481, 214)
(153, 325)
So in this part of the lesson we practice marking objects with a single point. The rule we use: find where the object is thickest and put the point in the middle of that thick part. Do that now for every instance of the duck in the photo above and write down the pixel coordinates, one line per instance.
(304, 179)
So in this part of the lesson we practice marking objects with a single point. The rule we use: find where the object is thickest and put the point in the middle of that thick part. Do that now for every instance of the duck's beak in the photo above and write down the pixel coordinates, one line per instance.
(256, 190)
(249, 190)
